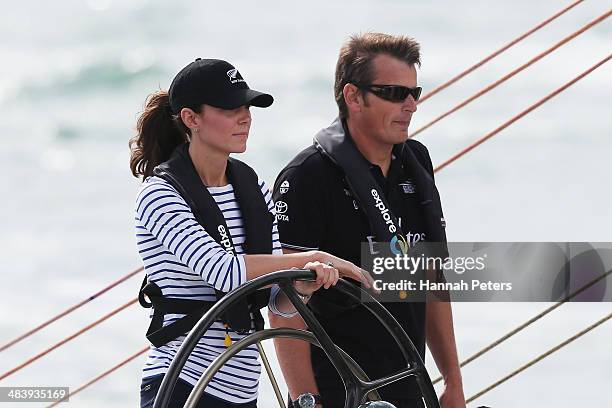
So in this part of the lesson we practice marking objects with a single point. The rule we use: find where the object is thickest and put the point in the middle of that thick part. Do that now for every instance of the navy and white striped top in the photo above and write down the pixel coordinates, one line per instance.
(187, 263)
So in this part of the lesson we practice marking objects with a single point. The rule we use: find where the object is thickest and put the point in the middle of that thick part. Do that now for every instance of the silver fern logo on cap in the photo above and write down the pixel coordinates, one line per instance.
(234, 76)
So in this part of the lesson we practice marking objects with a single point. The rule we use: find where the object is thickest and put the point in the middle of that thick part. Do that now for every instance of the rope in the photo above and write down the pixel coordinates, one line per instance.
(99, 377)
(513, 73)
(585, 287)
(137, 354)
(266, 363)
(67, 339)
(69, 310)
(496, 53)
(433, 92)
(539, 358)
(528, 322)
(521, 114)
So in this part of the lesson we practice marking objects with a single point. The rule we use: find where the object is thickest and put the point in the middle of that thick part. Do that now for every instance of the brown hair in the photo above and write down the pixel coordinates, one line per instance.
(356, 55)
(159, 132)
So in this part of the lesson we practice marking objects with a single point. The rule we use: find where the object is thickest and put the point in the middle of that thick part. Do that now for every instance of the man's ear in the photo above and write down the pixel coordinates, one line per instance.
(353, 97)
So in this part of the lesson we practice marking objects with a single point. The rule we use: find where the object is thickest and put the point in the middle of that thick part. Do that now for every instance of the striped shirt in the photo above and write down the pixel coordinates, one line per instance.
(187, 263)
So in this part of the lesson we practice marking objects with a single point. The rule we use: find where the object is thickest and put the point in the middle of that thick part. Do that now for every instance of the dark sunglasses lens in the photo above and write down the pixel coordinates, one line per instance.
(398, 93)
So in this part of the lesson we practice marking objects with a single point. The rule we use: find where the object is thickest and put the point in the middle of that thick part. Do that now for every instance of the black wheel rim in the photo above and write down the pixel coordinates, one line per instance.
(356, 388)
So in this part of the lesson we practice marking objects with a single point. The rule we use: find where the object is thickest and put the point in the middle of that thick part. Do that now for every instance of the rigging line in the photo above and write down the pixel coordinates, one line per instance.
(69, 310)
(101, 376)
(438, 168)
(496, 53)
(427, 96)
(528, 322)
(539, 358)
(512, 73)
(521, 114)
(67, 339)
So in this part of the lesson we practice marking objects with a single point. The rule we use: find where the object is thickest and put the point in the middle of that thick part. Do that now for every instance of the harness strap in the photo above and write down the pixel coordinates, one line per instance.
(158, 334)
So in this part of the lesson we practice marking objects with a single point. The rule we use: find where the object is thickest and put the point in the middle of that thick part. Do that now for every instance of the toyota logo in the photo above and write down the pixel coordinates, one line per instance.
(281, 207)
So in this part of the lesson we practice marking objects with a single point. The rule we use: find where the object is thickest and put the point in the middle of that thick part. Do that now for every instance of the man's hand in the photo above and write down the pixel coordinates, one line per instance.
(441, 342)
(452, 396)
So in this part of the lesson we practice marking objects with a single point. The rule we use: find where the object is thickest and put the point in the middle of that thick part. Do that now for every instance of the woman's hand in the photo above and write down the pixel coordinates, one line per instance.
(350, 270)
(329, 268)
(327, 276)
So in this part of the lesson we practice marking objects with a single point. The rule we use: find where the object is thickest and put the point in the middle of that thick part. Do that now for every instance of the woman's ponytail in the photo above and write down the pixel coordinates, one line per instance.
(159, 132)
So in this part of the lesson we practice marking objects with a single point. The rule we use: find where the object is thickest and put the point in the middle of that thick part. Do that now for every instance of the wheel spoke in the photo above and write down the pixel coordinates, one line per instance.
(372, 385)
(257, 337)
(350, 380)
(358, 386)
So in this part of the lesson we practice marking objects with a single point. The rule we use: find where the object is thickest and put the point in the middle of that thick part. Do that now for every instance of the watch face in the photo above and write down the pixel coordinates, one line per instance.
(306, 401)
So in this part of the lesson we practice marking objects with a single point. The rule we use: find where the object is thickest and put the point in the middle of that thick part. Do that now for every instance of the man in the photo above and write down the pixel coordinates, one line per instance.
(328, 198)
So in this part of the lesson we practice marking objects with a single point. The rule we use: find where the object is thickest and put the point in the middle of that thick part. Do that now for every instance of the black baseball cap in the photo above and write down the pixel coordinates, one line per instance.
(213, 82)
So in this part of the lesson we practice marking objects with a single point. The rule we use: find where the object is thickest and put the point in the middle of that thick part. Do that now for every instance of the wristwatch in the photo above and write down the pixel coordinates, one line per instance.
(307, 400)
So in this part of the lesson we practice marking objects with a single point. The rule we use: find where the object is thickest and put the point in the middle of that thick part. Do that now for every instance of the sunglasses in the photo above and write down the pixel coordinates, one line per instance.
(392, 93)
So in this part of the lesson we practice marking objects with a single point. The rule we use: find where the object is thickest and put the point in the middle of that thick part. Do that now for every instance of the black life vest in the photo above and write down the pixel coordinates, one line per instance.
(336, 144)
(180, 172)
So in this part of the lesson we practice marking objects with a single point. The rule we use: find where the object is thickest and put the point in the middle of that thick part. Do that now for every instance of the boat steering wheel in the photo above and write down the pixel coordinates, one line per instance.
(358, 386)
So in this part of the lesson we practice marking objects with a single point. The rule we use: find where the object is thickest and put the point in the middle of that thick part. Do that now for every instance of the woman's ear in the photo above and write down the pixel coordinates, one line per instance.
(190, 118)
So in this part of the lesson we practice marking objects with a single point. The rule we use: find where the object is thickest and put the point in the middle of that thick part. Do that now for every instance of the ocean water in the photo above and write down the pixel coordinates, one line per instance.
(75, 76)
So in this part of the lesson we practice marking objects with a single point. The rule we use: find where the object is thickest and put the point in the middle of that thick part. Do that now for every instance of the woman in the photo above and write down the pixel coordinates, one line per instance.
(205, 224)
